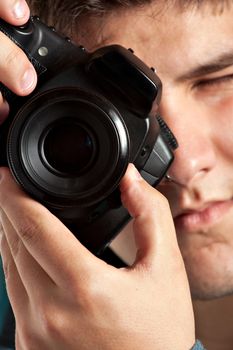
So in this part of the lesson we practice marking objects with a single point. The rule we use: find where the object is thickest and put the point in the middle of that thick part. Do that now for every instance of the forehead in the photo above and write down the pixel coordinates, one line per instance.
(166, 35)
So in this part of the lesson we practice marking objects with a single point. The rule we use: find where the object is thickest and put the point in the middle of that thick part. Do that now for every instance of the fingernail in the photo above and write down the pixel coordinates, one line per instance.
(28, 79)
(20, 9)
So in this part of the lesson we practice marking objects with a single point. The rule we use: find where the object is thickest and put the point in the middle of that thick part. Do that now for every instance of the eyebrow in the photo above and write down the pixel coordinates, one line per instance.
(215, 65)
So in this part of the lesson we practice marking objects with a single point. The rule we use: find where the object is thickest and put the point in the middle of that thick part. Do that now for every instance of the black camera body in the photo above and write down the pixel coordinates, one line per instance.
(69, 143)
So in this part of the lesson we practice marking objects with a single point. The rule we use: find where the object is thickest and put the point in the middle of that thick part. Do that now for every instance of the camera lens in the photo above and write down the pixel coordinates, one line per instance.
(67, 148)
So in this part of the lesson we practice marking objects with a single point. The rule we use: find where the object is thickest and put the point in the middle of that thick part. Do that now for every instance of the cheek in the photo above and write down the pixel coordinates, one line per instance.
(210, 271)
(209, 263)
(223, 114)
(211, 249)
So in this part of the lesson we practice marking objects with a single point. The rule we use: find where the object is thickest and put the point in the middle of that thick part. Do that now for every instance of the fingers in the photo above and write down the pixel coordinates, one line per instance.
(16, 72)
(153, 225)
(14, 11)
(16, 291)
(30, 272)
(51, 244)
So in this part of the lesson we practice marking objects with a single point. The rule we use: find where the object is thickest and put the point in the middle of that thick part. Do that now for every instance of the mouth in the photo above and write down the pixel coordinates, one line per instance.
(207, 216)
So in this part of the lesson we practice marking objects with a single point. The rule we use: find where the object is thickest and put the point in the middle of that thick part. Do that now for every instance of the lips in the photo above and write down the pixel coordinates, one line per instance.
(209, 215)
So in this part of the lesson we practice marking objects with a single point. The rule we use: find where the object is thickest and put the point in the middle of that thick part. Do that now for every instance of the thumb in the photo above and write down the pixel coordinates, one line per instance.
(153, 224)
(16, 13)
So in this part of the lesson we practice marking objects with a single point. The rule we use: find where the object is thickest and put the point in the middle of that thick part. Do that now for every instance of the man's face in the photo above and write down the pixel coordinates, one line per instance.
(192, 52)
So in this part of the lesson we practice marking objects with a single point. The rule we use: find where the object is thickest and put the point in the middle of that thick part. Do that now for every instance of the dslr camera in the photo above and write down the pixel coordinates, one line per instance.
(68, 144)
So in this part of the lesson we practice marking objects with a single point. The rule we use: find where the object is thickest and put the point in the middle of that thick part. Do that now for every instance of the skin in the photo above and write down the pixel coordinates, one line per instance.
(196, 107)
(195, 110)
(202, 170)
(62, 296)
(69, 299)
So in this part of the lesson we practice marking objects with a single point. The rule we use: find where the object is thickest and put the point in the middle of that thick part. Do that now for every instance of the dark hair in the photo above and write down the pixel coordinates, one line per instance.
(83, 7)
(65, 14)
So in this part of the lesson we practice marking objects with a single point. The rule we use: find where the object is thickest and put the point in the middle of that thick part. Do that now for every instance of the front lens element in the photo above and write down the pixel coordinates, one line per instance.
(68, 148)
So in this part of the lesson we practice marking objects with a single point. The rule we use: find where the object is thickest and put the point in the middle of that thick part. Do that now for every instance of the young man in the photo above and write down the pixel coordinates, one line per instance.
(64, 298)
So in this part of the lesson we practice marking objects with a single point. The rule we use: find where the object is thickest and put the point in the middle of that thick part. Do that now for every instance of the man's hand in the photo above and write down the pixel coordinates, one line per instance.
(63, 297)
(16, 72)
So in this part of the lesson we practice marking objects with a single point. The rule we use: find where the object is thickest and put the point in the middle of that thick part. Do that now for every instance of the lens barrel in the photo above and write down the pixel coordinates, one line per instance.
(68, 147)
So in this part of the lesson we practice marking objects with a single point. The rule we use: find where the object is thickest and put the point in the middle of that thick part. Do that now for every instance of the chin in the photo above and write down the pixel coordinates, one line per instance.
(210, 270)
(205, 289)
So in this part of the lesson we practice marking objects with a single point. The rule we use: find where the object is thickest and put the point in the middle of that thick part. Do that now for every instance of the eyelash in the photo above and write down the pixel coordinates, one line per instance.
(216, 81)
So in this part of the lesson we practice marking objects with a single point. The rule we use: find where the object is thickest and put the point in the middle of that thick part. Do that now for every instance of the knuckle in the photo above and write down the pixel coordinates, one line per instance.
(79, 286)
(27, 338)
(28, 231)
(78, 292)
(52, 325)
(24, 334)
(88, 295)
(48, 321)
(15, 246)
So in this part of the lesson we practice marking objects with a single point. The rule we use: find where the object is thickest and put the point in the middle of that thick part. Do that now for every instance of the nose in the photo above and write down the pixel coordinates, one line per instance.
(196, 156)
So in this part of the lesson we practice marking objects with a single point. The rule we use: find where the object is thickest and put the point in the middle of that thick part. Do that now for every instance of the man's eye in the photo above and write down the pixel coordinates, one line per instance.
(225, 81)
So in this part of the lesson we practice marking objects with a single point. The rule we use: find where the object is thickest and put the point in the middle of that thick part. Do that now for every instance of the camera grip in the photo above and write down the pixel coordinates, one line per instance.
(19, 35)
(48, 51)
